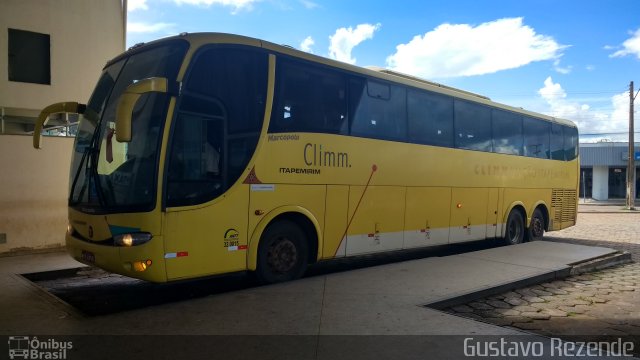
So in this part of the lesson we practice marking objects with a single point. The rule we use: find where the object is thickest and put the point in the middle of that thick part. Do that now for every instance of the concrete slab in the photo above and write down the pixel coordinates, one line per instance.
(429, 278)
(379, 300)
(541, 254)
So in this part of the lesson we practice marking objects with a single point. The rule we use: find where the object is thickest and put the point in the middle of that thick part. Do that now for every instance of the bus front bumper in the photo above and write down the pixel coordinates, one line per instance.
(144, 261)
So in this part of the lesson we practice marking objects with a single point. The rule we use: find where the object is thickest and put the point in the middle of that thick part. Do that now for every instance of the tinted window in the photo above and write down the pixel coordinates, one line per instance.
(557, 142)
(309, 99)
(378, 117)
(472, 126)
(507, 132)
(536, 138)
(378, 90)
(218, 123)
(570, 143)
(196, 160)
(236, 79)
(126, 173)
(430, 118)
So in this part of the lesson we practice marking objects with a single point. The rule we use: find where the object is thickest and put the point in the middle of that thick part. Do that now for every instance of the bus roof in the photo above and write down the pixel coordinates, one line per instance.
(199, 39)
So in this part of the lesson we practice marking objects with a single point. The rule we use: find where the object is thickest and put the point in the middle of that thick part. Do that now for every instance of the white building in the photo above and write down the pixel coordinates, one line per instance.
(603, 170)
(51, 51)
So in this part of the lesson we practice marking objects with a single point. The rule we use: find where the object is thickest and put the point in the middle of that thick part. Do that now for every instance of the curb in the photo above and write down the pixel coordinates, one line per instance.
(602, 262)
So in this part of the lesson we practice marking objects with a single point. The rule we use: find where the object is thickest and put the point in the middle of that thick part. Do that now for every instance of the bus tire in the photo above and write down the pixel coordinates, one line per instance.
(514, 232)
(535, 231)
(282, 253)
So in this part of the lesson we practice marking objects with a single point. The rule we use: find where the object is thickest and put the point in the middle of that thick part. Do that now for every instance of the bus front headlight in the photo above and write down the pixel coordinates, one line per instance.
(131, 239)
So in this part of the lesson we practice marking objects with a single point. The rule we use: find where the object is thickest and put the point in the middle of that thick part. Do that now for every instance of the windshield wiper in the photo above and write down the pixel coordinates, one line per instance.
(87, 160)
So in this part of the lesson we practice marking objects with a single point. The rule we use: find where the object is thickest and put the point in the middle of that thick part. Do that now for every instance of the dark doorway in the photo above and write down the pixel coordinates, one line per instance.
(586, 182)
(617, 183)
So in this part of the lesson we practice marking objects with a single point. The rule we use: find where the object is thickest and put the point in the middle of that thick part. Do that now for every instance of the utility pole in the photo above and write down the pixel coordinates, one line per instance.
(125, 7)
(631, 165)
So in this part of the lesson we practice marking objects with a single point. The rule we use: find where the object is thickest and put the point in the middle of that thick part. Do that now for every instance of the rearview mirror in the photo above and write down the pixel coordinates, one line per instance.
(128, 100)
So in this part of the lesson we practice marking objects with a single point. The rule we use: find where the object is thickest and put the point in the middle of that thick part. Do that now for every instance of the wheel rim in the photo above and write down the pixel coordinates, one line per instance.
(282, 255)
(537, 229)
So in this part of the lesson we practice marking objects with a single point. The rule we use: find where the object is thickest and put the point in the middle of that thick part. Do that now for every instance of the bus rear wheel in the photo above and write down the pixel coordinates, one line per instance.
(282, 253)
(514, 233)
(536, 228)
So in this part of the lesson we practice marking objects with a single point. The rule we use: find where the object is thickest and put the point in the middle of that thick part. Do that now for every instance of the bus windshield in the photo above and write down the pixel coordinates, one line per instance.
(106, 174)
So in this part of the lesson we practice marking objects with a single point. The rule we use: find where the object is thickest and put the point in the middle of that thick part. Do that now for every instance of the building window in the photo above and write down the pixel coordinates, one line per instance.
(29, 57)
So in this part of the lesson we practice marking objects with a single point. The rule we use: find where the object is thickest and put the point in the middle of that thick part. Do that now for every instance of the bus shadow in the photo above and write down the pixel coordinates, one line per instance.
(94, 292)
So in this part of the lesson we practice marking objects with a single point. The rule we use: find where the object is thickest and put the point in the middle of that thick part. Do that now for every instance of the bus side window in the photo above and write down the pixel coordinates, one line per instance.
(536, 137)
(507, 132)
(557, 142)
(309, 99)
(378, 110)
(472, 124)
(236, 79)
(220, 115)
(570, 143)
(196, 161)
(430, 118)
(333, 104)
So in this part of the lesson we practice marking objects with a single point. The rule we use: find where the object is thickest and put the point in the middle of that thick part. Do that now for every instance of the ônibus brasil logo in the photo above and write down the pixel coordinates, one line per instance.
(31, 348)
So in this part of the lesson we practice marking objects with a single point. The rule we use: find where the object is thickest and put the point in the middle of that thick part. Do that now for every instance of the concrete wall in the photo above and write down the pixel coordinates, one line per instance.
(84, 34)
(33, 192)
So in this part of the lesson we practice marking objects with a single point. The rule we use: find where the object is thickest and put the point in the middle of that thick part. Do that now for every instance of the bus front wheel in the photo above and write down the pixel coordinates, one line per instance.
(282, 253)
(514, 233)
(536, 228)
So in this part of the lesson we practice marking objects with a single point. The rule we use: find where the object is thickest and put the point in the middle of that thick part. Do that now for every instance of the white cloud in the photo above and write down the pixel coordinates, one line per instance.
(631, 46)
(309, 4)
(306, 44)
(237, 5)
(589, 121)
(139, 27)
(562, 70)
(590, 67)
(133, 5)
(452, 50)
(345, 39)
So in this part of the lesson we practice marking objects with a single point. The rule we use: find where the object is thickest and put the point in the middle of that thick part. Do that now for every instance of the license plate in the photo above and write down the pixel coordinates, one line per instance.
(88, 256)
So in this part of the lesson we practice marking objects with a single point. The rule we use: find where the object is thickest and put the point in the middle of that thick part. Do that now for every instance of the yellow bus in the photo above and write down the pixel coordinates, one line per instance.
(205, 154)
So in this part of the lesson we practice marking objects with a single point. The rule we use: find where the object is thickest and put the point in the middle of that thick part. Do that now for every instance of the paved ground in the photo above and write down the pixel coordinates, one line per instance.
(377, 300)
(598, 304)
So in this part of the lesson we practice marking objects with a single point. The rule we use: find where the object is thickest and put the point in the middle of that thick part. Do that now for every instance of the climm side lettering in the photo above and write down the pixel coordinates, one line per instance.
(317, 155)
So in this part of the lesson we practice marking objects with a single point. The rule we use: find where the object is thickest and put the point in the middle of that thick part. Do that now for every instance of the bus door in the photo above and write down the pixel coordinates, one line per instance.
(204, 234)
(212, 140)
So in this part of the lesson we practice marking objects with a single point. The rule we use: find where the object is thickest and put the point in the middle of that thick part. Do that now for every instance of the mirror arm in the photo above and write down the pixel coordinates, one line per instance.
(61, 107)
